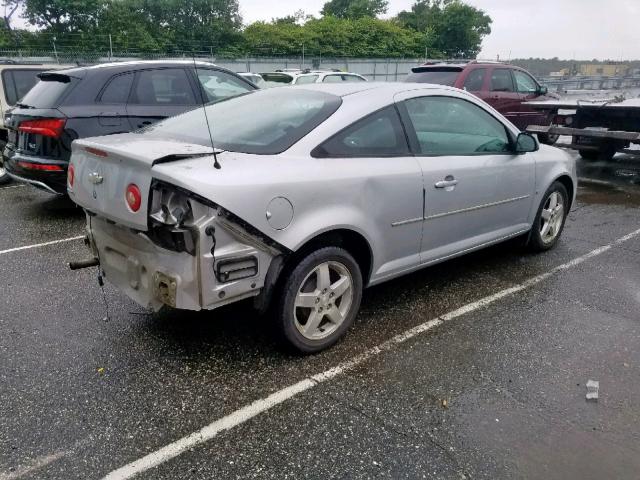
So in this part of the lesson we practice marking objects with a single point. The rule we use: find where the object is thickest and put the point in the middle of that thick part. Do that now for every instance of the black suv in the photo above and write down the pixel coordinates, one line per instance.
(103, 100)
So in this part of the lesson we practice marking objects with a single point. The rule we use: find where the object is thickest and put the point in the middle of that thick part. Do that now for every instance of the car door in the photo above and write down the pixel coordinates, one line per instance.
(476, 189)
(158, 94)
(502, 95)
(528, 90)
(112, 104)
(387, 185)
(474, 82)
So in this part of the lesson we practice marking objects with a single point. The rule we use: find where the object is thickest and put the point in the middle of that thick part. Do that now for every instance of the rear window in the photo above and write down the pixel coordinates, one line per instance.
(276, 79)
(17, 83)
(48, 91)
(437, 76)
(264, 122)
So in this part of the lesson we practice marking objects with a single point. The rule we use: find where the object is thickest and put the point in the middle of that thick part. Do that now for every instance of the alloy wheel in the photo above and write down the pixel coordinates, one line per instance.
(552, 217)
(323, 300)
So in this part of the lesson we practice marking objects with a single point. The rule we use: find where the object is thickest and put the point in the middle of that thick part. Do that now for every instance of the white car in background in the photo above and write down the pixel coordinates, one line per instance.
(280, 78)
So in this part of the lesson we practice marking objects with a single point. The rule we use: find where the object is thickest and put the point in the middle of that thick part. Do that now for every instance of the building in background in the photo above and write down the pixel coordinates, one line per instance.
(604, 70)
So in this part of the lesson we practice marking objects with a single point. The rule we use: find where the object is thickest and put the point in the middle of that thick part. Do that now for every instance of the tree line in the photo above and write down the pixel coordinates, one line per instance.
(437, 28)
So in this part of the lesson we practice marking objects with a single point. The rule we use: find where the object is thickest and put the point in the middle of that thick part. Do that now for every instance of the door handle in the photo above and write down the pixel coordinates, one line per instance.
(449, 181)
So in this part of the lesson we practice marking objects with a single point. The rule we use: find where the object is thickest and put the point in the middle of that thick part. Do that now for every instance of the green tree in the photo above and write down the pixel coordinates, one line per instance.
(354, 8)
(457, 28)
(331, 36)
(63, 16)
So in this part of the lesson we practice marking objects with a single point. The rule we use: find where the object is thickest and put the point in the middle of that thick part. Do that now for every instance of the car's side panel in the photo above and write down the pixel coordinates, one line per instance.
(380, 198)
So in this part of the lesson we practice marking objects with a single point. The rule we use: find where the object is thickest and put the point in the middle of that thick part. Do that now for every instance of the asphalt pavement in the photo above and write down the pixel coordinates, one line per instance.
(484, 376)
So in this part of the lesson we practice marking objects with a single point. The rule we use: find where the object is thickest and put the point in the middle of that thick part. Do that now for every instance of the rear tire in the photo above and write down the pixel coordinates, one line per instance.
(589, 155)
(318, 300)
(550, 219)
(548, 138)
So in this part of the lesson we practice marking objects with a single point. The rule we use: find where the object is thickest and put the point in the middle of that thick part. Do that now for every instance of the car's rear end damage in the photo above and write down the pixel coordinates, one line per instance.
(177, 249)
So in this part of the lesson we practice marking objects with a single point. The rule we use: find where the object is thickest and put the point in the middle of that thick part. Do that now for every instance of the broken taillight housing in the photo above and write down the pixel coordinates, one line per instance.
(47, 127)
(171, 219)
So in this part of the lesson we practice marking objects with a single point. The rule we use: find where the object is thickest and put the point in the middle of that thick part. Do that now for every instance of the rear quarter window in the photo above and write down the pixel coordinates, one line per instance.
(17, 83)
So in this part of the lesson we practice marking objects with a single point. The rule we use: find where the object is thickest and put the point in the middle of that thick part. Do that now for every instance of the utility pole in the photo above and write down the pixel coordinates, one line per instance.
(110, 48)
(302, 64)
(426, 54)
(55, 51)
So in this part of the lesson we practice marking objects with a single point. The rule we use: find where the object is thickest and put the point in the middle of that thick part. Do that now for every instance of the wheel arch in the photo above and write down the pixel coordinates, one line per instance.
(567, 182)
(352, 241)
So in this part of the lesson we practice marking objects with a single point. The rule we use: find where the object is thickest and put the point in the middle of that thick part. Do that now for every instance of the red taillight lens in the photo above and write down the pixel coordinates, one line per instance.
(41, 166)
(97, 152)
(133, 197)
(48, 127)
(71, 175)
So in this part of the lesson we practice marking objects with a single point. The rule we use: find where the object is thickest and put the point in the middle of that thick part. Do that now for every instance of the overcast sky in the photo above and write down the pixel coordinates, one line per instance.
(582, 29)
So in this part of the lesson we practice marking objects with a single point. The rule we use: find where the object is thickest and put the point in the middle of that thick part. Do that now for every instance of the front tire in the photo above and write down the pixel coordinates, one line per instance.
(550, 219)
(319, 300)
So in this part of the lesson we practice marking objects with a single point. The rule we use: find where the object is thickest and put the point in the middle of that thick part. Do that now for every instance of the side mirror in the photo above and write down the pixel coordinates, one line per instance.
(542, 90)
(526, 143)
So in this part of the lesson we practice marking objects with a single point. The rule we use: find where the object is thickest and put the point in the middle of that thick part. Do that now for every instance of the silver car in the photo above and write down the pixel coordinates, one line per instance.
(311, 194)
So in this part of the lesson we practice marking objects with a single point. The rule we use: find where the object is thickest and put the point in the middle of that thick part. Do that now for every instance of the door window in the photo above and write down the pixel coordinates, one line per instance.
(168, 86)
(452, 126)
(475, 80)
(378, 135)
(524, 83)
(218, 85)
(501, 80)
(117, 90)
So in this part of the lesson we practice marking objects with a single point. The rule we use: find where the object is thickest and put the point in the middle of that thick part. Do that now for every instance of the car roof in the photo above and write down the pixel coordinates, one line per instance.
(347, 88)
(134, 65)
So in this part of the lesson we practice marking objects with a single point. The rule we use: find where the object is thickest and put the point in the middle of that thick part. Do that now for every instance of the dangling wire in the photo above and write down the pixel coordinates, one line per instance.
(100, 278)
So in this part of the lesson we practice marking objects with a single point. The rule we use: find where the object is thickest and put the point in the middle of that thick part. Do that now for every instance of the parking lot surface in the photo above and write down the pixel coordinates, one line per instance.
(91, 384)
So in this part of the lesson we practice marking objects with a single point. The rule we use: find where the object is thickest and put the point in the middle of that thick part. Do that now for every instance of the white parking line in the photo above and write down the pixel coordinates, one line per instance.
(240, 416)
(36, 465)
(38, 245)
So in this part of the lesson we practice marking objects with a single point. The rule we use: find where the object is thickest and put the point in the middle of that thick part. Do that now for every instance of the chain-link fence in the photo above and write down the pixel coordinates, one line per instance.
(378, 69)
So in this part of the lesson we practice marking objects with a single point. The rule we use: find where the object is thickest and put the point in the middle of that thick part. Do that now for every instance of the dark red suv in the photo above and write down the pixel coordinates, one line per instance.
(504, 87)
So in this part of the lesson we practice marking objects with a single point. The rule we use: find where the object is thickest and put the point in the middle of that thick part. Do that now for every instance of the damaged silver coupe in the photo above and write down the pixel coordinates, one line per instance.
(309, 195)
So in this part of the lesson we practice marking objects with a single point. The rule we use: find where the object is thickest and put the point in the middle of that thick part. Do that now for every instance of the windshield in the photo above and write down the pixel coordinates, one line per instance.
(437, 77)
(265, 122)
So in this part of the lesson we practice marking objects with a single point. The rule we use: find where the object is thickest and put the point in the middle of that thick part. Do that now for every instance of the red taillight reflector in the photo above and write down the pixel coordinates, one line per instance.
(71, 175)
(41, 166)
(133, 197)
(97, 152)
(48, 127)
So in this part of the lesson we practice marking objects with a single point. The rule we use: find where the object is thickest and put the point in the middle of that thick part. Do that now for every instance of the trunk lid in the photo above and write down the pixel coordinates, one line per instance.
(103, 168)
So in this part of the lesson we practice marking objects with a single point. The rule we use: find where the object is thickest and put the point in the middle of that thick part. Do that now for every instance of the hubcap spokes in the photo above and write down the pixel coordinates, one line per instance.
(323, 300)
(552, 217)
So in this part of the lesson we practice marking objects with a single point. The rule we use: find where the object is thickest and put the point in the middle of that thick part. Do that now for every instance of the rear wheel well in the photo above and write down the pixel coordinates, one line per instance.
(351, 241)
(568, 184)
